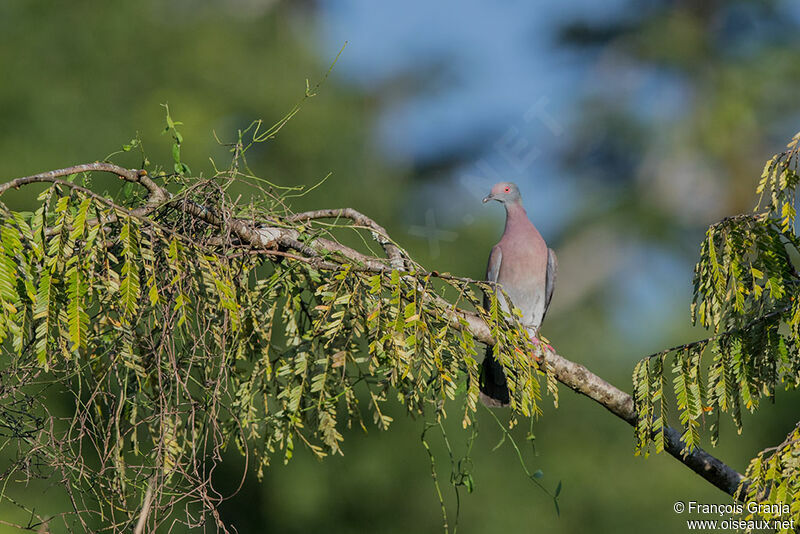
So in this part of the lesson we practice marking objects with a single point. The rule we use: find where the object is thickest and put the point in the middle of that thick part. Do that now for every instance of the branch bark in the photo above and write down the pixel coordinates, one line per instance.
(156, 193)
(323, 253)
(378, 231)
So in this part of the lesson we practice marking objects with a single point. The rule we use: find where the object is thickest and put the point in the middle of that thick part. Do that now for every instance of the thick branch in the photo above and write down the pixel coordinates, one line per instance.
(323, 253)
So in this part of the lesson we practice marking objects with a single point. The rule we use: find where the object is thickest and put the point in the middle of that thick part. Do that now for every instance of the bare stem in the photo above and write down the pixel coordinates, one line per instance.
(149, 495)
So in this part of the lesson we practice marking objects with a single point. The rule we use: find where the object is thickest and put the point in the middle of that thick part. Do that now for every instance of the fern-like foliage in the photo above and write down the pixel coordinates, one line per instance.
(174, 341)
(774, 482)
(747, 293)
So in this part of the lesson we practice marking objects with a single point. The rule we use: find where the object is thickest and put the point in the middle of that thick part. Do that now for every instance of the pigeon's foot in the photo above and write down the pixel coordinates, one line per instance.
(544, 343)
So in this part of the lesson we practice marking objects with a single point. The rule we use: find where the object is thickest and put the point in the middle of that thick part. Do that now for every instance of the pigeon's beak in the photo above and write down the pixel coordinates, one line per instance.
(487, 198)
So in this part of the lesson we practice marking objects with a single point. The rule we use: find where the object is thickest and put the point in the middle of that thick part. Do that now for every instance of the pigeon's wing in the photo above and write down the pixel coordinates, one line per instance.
(550, 279)
(493, 270)
(495, 259)
(494, 390)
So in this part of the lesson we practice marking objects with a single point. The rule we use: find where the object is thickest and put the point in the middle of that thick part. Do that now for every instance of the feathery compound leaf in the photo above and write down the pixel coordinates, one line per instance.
(773, 478)
(642, 403)
(10, 300)
(745, 289)
(129, 285)
(79, 221)
(76, 310)
(42, 313)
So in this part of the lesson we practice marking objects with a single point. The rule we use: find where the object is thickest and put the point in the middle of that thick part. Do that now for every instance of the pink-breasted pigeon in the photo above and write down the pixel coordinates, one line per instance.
(525, 268)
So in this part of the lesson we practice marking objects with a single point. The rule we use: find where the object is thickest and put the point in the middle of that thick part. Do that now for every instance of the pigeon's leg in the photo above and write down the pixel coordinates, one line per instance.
(547, 346)
(541, 343)
(536, 354)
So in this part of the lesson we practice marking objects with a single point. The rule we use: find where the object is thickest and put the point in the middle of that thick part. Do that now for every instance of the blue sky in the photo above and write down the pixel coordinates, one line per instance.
(494, 79)
(491, 76)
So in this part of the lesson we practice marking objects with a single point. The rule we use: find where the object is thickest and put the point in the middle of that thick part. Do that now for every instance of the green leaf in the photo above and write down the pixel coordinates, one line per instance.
(77, 317)
(129, 286)
(469, 483)
(43, 315)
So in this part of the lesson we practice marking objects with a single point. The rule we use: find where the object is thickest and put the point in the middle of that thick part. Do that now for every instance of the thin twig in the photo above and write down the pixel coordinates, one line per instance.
(149, 495)
(392, 251)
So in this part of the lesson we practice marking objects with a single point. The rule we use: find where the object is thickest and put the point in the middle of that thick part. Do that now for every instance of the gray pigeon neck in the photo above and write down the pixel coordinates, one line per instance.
(516, 216)
(515, 209)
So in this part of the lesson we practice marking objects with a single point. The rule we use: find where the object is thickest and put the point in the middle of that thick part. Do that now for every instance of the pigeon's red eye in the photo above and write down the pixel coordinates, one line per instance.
(507, 189)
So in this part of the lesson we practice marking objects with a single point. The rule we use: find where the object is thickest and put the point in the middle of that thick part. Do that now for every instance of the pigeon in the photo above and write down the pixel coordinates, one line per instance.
(525, 269)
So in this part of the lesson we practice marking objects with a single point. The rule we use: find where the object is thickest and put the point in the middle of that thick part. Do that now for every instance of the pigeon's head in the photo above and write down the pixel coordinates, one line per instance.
(504, 192)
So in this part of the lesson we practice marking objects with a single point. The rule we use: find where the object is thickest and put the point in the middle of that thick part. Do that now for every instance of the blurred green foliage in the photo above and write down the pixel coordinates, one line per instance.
(81, 79)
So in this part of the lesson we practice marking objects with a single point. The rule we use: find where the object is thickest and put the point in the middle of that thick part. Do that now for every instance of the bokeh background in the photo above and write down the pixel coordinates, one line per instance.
(629, 126)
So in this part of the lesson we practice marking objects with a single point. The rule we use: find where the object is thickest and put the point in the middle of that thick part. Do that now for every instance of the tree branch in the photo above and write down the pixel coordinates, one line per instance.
(378, 231)
(323, 254)
(156, 194)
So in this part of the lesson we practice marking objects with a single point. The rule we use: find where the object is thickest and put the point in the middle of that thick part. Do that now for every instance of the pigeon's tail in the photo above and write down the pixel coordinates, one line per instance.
(494, 391)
